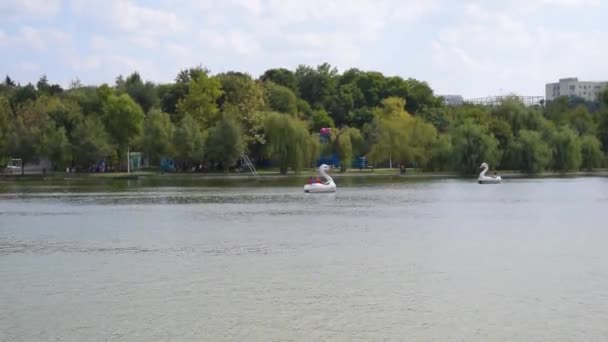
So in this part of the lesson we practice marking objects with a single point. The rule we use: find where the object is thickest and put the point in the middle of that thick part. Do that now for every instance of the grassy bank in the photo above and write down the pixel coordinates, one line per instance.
(274, 174)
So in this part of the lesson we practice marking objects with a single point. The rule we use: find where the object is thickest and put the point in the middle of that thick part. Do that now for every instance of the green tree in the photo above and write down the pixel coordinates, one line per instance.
(591, 152)
(124, 121)
(419, 96)
(320, 119)
(397, 136)
(21, 142)
(225, 142)
(441, 155)
(316, 86)
(281, 99)
(201, 101)
(281, 76)
(581, 121)
(23, 94)
(52, 143)
(91, 142)
(243, 99)
(473, 145)
(158, 135)
(143, 93)
(288, 142)
(5, 119)
(347, 143)
(532, 152)
(566, 149)
(188, 141)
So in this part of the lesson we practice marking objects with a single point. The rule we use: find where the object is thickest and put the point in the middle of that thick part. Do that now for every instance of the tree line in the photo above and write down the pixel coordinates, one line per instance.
(204, 121)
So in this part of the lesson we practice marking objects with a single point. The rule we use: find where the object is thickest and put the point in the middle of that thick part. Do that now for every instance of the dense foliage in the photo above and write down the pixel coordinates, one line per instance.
(207, 122)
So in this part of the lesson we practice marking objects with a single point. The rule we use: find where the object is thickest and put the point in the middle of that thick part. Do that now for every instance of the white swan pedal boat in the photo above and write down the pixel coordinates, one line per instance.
(327, 186)
(483, 179)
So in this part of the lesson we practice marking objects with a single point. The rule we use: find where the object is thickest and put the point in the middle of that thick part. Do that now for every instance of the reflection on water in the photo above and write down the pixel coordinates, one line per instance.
(378, 260)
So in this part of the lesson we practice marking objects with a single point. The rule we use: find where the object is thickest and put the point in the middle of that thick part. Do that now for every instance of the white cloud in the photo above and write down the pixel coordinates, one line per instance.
(498, 50)
(17, 9)
(86, 64)
(98, 42)
(32, 37)
(3, 38)
(299, 28)
(41, 39)
(130, 17)
(28, 67)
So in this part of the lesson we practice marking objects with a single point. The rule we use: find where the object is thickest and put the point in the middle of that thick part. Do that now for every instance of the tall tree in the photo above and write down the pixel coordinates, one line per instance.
(158, 135)
(21, 142)
(281, 99)
(91, 142)
(591, 152)
(316, 86)
(124, 121)
(225, 143)
(473, 145)
(188, 141)
(201, 101)
(144, 93)
(243, 99)
(281, 76)
(530, 152)
(566, 149)
(5, 119)
(288, 142)
(52, 143)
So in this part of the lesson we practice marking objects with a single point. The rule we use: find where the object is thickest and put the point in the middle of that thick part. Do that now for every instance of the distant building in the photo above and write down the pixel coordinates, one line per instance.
(589, 91)
(452, 100)
(498, 100)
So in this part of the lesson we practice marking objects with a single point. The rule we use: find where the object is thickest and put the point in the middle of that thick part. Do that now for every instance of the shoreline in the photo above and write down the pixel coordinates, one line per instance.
(272, 175)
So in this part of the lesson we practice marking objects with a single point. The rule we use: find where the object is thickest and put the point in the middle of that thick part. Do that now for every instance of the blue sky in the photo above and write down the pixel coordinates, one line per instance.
(474, 48)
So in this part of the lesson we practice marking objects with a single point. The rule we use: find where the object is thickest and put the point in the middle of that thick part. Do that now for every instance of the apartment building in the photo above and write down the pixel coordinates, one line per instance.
(589, 91)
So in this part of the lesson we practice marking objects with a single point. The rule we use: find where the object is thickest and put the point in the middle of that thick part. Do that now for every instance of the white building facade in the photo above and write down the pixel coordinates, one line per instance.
(589, 91)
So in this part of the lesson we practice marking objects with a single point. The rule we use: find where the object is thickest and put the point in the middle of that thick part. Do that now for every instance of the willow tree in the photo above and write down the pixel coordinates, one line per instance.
(158, 135)
(288, 142)
(347, 143)
(591, 152)
(21, 142)
(124, 121)
(473, 145)
(566, 149)
(188, 141)
(225, 142)
(91, 142)
(396, 135)
(5, 116)
(529, 152)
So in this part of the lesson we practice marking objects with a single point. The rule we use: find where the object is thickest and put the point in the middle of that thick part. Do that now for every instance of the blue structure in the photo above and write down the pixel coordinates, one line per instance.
(167, 165)
(332, 160)
(360, 163)
(101, 166)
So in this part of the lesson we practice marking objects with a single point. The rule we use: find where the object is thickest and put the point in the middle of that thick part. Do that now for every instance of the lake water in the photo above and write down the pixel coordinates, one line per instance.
(441, 260)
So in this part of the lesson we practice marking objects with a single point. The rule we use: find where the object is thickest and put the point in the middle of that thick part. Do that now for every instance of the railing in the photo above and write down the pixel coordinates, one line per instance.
(247, 162)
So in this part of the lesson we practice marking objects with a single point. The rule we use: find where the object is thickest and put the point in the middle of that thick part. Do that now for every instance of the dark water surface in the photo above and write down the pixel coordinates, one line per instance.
(443, 260)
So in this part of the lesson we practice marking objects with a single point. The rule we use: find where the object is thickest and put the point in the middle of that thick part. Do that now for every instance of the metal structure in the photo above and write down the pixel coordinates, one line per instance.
(497, 100)
(245, 161)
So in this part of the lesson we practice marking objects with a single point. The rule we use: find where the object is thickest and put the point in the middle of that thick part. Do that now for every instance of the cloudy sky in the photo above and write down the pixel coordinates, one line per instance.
(473, 48)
